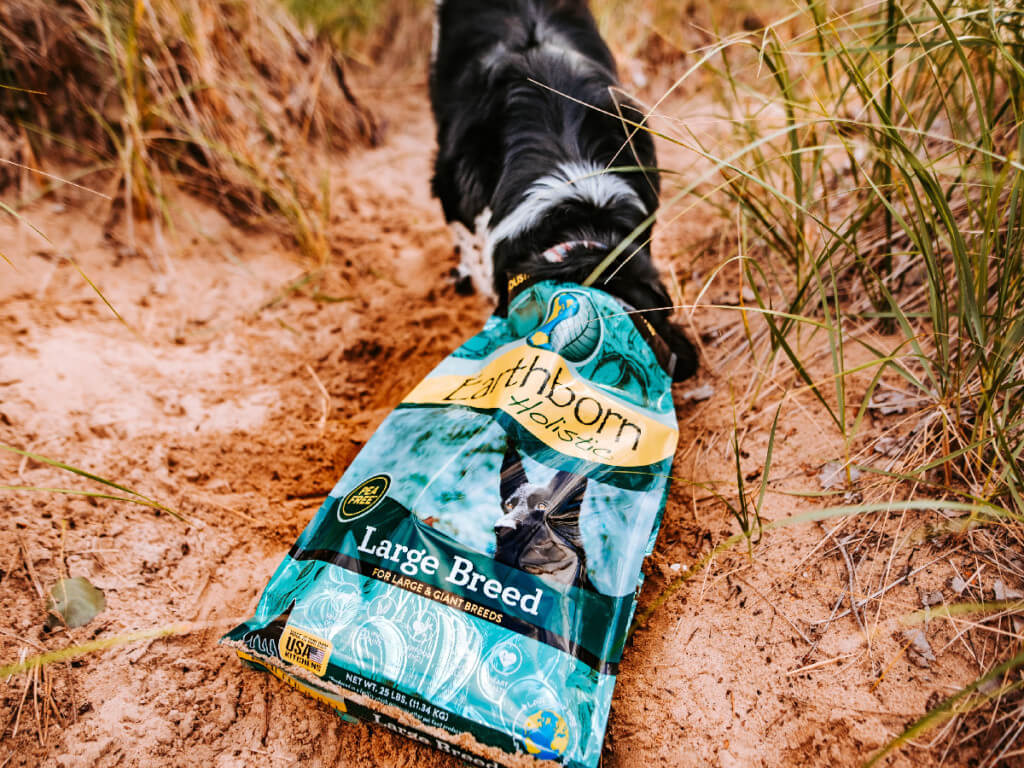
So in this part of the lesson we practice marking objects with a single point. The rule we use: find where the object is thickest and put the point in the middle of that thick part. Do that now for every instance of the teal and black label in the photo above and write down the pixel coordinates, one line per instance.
(394, 547)
(477, 564)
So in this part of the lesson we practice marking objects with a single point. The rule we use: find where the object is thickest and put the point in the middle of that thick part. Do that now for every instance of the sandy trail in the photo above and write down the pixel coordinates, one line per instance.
(212, 404)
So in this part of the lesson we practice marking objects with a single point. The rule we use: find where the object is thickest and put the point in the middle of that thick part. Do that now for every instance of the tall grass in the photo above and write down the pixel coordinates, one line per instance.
(895, 197)
(224, 98)
(875, 168)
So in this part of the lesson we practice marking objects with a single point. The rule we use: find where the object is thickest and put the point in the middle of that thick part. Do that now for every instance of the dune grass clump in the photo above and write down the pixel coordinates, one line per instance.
(891, 191)
(223, 98)
(874, 174)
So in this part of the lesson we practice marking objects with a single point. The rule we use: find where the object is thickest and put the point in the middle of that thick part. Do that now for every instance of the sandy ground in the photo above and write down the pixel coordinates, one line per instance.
(211, 402)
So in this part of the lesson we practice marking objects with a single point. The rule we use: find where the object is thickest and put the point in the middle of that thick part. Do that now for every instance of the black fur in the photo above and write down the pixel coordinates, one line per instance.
(514, 86)
(539, 531)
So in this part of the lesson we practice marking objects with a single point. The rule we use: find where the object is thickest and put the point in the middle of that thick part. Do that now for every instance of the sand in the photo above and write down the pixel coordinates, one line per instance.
(210, 398)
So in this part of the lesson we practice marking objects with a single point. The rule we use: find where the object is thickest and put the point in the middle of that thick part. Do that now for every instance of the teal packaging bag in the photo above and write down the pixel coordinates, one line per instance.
(471, 579)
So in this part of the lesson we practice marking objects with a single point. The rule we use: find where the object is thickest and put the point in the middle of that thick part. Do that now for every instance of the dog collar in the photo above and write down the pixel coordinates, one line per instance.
(557, 253)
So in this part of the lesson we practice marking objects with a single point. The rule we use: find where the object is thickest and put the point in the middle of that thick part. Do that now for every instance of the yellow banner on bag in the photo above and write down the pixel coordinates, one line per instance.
(337, 703)
(537, 388)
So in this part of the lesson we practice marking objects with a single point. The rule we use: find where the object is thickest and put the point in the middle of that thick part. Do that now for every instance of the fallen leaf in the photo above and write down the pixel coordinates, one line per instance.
(833, 475)
(999, 589)
(889, 445)
(74, 602)
(1002, 593)
(891, 401)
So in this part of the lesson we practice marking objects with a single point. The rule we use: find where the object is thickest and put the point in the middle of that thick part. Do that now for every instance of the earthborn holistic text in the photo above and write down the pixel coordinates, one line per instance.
(470, 581)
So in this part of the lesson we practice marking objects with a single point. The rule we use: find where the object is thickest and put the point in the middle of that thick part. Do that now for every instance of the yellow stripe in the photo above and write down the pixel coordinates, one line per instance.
(537, 388)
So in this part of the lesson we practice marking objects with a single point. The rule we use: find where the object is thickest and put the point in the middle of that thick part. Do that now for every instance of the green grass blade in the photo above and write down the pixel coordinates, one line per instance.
(88, 475)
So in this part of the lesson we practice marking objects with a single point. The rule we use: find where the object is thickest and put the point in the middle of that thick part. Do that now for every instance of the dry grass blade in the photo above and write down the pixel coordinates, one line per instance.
(133, 496)
(32, 663)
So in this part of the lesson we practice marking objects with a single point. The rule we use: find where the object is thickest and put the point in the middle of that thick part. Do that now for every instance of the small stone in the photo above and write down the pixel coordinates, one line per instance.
(676, 566)
(929, 599)
(64, 313)
(175, 409)
(958, 585)
(697, 394)
(186, 725)
(919, 650)
(101, 431)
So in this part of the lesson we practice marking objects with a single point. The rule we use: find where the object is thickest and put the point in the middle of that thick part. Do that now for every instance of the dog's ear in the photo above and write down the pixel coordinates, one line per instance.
(684, 354)
(512, 473)
(650, 295)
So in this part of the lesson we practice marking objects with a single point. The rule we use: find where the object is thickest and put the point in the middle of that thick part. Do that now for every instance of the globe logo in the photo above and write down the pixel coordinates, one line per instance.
(546, 735)
(572, 327)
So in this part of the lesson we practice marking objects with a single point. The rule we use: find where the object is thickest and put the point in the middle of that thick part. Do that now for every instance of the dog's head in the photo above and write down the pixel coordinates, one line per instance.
(650, 297)
(635, 281)
(538, 531)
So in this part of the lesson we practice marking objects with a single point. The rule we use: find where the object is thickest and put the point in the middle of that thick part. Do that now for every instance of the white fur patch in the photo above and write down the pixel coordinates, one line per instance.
(495, 56)
(571, 181)
(576, 60)
(554, 46)
(435, 39)
(475, 254)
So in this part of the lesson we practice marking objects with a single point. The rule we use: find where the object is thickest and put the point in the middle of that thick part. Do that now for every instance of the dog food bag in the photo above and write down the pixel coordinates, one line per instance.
(470, 581)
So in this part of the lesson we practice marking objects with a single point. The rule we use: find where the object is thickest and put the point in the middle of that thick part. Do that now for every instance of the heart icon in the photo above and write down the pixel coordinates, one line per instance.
(506, 658)
(419, 627)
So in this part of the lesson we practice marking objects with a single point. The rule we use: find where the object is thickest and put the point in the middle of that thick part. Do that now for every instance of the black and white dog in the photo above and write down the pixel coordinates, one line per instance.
(528, 125)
